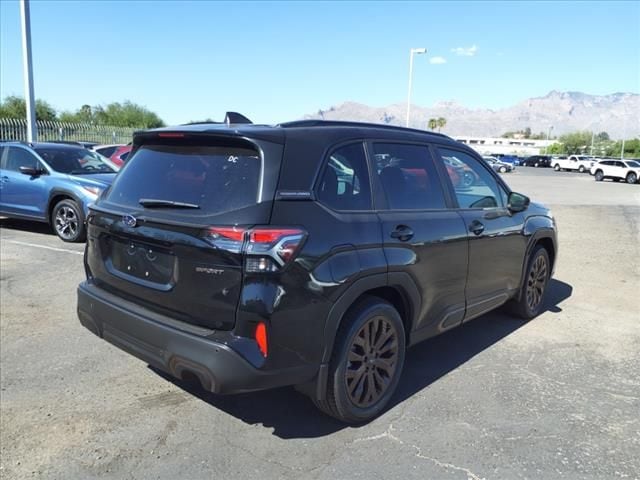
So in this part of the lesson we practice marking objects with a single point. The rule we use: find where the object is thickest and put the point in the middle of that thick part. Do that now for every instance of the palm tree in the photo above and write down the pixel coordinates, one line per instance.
(441, 122)
(432, 124)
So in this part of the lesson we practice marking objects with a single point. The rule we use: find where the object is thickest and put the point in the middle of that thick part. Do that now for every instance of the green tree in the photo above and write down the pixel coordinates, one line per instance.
(527, 132)
(15, 107)
(432, 123)
(555, 149)
(602, 136)
(441, 122)
(576, 142)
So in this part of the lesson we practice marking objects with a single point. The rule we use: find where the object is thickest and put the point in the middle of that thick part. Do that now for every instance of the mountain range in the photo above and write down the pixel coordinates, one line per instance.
(618, 114)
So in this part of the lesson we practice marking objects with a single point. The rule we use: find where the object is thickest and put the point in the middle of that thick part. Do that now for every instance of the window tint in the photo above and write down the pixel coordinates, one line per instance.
(215, 178)
(74, 161)
(408, 176)
(474, 186)
(19, 157)
(345, 180)
(2, 159)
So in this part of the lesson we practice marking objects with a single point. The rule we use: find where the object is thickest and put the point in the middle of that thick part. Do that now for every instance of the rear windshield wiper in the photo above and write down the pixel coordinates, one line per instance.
(155, 203)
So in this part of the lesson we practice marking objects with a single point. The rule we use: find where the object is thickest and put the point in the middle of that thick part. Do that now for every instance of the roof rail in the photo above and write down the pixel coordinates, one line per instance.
(341, 123)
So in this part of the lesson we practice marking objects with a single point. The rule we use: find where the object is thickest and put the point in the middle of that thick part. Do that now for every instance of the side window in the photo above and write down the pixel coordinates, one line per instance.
(474, 186)
(345, 180)
(19, 157)
(408, 176)
(2, 159)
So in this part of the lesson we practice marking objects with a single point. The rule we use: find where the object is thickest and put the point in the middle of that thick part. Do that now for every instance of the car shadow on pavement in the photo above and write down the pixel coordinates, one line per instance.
(292, 415)
(26, 226)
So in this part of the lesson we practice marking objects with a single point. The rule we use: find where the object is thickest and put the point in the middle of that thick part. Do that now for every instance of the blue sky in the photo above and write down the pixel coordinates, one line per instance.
(278, 61)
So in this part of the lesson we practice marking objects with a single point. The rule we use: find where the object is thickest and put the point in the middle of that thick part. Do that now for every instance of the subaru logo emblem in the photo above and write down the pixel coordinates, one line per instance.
(129, 220)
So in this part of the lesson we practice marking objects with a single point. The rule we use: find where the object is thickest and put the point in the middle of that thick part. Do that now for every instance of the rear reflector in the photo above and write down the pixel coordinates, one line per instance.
(261, 338)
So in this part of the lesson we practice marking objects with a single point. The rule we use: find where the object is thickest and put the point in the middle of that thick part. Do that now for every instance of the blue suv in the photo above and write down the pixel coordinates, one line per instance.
(52, 183)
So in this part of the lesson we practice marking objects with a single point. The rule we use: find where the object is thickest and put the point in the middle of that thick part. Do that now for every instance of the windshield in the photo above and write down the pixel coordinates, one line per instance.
(632, 164)
(74, 161)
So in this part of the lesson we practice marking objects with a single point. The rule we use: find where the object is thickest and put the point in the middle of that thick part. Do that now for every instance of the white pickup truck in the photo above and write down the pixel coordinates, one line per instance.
(581, 163)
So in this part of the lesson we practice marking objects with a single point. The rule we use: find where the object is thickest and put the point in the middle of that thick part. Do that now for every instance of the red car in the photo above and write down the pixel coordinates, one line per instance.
(120, 155)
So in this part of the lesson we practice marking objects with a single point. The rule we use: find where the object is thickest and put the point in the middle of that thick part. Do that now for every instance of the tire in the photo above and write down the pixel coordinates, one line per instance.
(67, 221)
(535, 285)
(536, 165)
(369, 396)
(631, 177)
(581, 169)
(556, 167)
(503, 169)
(599, 176)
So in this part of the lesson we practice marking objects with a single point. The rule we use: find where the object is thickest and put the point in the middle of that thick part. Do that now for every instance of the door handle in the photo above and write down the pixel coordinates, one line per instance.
(402, 233)
(476, 227)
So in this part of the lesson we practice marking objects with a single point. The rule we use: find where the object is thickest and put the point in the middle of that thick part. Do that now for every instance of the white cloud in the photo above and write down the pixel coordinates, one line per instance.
(465, 51)
(437, 60)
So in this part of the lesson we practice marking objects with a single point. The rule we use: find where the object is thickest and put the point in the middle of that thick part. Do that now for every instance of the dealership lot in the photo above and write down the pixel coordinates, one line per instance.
(498, 398)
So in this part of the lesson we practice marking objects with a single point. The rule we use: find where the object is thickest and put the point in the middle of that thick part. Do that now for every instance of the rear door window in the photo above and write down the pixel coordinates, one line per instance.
(212, 179)
(408, 176)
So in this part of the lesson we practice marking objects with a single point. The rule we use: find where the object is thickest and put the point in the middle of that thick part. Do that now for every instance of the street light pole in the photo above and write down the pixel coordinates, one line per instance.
(411, 52)
(546, 151)
(25, 17)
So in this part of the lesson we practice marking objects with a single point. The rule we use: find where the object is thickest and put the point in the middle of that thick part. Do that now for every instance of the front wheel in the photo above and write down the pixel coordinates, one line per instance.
(366, 363)
(632, 177)
(581, 169)
(536, 165)
(503, 169)
(535, 285)
(599, 176)
(68, 221)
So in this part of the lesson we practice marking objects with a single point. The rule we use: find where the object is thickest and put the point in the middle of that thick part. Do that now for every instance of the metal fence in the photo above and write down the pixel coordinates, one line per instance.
(16, 129)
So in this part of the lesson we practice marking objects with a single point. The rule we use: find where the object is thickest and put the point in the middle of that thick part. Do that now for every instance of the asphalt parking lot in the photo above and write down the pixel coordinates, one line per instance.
(558, 397)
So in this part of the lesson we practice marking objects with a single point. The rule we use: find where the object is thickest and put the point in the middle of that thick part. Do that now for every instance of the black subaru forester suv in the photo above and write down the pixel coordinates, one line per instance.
(309, 253)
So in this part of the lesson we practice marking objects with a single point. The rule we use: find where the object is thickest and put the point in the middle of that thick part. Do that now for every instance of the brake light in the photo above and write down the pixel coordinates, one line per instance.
(261, 338)
(226, 238)
(171, 135)
(266, 249)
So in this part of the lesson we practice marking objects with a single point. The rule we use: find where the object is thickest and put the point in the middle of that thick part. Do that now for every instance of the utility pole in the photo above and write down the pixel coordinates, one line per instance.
(25, 17)
(593, 134)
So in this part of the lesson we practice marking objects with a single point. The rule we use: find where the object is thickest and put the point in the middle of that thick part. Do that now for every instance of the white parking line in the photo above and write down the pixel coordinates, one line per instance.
(35, 245)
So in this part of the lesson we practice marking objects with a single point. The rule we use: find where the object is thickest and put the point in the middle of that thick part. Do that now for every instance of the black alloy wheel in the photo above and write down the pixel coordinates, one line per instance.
(531, 299)
(372, 361)
(366, 362)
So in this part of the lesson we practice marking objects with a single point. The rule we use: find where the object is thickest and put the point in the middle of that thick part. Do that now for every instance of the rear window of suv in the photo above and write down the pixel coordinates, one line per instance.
(216, 179)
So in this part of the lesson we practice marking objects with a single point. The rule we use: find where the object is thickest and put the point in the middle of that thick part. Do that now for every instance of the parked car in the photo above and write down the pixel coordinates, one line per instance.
(120, 155)
(311, 253)
(537, 161)
(87, 145)
(52, 183)
(107, 150)
(510, 159)
(498, 166)
(617, 170)
(581, 163)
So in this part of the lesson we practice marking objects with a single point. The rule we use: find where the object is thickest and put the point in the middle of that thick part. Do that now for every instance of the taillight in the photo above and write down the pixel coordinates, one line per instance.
(266, 249)
(261, 338)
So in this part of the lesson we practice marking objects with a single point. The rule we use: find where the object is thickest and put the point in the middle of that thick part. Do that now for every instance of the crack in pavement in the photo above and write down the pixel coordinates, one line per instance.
(389, 435)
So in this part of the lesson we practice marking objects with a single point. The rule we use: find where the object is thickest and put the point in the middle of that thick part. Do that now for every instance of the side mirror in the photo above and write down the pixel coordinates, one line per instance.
(32, 171)
(517, 202)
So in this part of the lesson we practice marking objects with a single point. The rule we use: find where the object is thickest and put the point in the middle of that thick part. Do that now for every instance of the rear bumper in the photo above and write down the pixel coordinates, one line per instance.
(219, 367)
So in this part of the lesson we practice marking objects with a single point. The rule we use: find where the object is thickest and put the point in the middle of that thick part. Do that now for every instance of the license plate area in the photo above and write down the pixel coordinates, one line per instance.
(143, 264)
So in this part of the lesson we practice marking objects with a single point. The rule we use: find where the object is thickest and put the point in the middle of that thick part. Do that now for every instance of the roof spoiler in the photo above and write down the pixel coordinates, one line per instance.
(235, 118)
